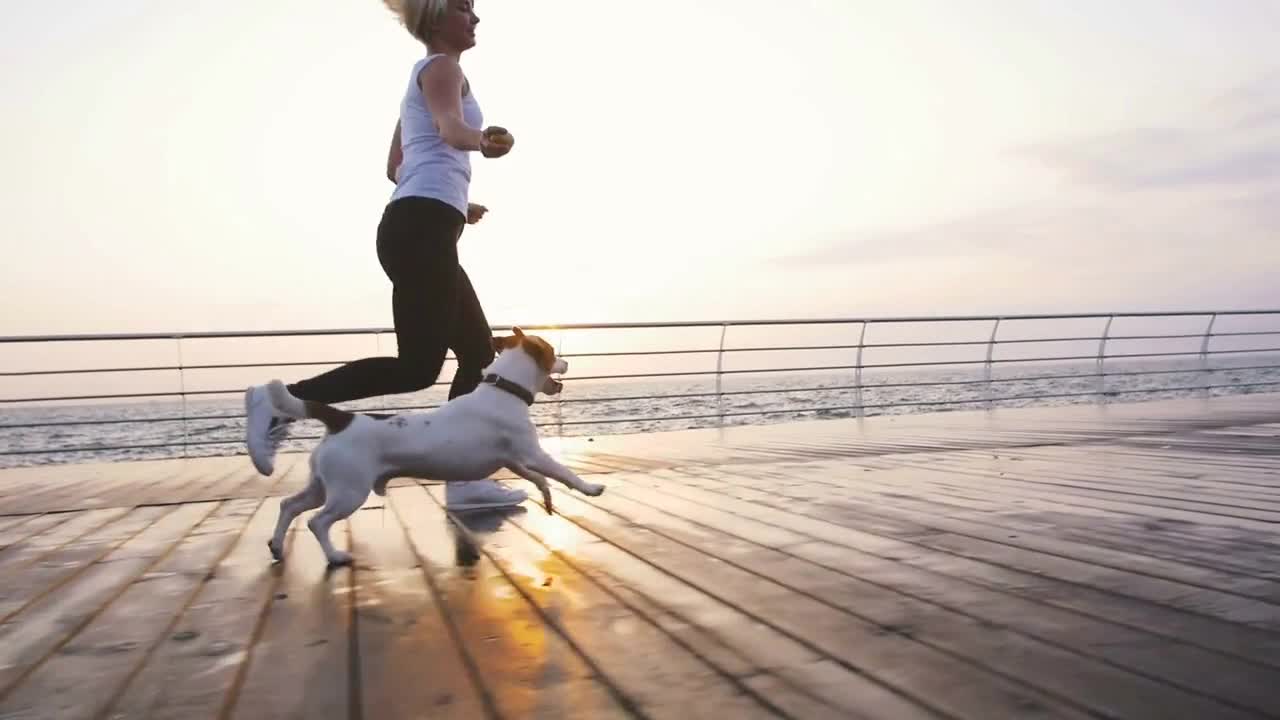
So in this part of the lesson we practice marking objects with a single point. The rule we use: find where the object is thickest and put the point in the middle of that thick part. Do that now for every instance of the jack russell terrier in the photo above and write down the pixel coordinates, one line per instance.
(471, 436)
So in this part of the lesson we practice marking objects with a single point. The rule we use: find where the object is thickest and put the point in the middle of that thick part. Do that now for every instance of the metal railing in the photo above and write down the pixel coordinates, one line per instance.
(908, 357)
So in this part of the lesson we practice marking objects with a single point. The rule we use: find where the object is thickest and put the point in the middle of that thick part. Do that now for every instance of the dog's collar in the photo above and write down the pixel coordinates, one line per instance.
(513, 388)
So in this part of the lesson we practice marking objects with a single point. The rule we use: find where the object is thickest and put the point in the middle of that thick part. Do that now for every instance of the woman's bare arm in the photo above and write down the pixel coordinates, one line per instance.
(441, 83)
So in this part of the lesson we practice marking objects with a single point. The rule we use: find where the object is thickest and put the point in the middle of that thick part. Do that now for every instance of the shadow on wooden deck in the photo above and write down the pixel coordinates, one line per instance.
(1116, 562)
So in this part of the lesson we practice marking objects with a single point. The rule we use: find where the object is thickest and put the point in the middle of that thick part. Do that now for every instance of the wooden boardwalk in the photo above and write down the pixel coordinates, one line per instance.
(1080, 562)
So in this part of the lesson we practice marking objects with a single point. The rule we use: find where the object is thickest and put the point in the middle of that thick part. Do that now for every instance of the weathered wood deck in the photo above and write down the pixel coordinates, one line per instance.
(1115, 562)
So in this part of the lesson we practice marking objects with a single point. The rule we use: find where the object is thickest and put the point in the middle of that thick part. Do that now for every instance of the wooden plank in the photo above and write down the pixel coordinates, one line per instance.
(24, 532)
(959, 493)
(1114, 498)
(650, 672)
(1240, 554)
(19, 554)
(84, 674)
(526, 669)
(1256, 456)
(956, 493)
(80, 487)
(1192, 669)
(160, 489)
(409, 662)
(188, 487)
(981, 472)
(1194, 479)
(8, 522)
(1223, 553)
(921, 672)
(1255, 514)
(36, 580)
(1239, 598)
(1123, 456)
(46, 625)
(235, 477)
(301, 663)
(794, 677)
(861, 497)
(285, 482)
(1048, 666)
(1146, 482)
(895, 540)
(243, 482)
(193, 673)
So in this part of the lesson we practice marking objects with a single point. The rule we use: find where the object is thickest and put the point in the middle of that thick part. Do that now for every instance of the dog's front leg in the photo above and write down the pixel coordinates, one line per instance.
(537, 479)
(310, 498)
(544, 463)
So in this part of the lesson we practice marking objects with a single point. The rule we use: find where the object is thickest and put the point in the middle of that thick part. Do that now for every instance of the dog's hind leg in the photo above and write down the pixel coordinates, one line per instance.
(544, 463)
(309, 498)
(537, 479)
(344, 498)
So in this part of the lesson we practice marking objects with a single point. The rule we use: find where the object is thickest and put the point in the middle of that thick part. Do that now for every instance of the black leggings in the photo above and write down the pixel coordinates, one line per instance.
(434, 306)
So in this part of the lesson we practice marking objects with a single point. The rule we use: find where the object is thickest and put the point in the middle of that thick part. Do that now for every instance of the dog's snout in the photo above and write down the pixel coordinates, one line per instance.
(561, 367)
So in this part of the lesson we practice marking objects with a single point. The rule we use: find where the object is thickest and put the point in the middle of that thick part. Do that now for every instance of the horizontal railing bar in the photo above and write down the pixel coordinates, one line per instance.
(1193, 352)
(672, 418)
(644, 353)
(171, 368)
(1176, 336)
(119, 396)
(96, 337)
(1238, 334)
(621, 398)
(785, 391)
(107, 448)
(699, 373)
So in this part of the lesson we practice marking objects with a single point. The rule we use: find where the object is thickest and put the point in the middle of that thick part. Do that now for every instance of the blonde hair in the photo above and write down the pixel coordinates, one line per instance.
(418, 16)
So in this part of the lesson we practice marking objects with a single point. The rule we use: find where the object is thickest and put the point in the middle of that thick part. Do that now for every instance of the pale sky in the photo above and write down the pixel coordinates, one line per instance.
(218, 164)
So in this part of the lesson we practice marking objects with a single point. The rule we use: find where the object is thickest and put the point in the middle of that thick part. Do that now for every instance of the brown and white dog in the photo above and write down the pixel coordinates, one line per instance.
(471, 436)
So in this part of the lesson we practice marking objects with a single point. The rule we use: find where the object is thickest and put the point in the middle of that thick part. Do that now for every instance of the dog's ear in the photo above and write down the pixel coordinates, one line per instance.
(518, 332)
(540, 350)
(503, 343)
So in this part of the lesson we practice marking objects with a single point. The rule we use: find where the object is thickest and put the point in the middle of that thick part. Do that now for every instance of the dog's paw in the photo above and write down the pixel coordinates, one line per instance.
(277, 552)
(339, 559)
(593, 490)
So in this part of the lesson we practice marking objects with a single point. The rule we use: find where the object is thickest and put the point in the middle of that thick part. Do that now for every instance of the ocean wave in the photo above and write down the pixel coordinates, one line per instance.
(40, 435)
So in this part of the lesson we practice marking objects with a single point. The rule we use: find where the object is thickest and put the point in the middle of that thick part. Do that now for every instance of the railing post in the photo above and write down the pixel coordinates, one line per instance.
(986, 368)
(182, 393)
(858, 410)
(560, 395)
(1204, 354)
(724, 329)
(377, 352)
(1101, 380)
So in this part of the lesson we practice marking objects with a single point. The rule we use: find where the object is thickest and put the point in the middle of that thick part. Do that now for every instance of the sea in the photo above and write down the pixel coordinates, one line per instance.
(43, 434)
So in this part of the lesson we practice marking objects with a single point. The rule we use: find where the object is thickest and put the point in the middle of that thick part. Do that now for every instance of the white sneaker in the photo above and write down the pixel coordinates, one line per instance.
(480, 494)
(264, 430)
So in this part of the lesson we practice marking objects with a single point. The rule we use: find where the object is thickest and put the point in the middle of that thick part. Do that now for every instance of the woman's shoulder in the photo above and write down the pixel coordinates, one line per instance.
(441, 65)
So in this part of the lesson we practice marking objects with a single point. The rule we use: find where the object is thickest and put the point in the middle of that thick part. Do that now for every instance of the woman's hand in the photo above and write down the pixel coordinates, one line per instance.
(495, 142)
(475, 212)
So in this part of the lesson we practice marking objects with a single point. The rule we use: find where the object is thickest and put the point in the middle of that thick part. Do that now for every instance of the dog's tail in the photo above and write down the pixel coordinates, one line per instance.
(285, 403)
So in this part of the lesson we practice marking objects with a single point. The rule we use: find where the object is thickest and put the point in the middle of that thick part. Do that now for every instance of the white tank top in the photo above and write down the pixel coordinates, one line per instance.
(431, 167)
